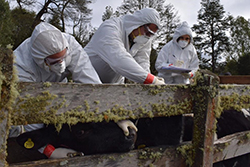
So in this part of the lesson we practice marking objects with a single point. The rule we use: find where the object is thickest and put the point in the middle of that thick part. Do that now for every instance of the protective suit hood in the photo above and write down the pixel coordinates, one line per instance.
(46, 40)
(139, 18)
(182, 29)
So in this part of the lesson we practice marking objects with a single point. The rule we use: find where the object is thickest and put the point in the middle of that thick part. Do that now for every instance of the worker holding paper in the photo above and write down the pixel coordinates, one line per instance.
(177, 61)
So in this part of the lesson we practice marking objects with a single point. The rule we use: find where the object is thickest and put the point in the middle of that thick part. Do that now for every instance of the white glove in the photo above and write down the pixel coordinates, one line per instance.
(158, 81)
(178, 63)
(124, 124)
(187, 75)
(61, 153)
(55, 153)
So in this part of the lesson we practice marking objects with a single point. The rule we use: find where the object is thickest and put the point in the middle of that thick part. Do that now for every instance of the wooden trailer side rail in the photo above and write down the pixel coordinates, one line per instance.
(70, 103)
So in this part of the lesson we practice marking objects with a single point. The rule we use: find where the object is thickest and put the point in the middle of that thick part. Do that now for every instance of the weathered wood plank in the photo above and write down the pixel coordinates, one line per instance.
(235, 79)
(205, 101)
(7, 81)
(45, 102)
(232, 146)
(234, 96)
(156, 156)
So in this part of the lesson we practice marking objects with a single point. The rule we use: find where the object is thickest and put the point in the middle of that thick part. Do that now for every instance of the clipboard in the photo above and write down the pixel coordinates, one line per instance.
(173, 69)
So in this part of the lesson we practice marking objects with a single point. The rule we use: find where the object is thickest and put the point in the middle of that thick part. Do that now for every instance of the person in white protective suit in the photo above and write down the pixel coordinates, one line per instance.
(121, 47)
(51, 55)
(179, 52)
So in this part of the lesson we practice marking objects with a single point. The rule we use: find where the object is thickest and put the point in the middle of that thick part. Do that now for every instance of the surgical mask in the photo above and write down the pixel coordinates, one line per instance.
(140, 39)
(183, 43)
(58, 68)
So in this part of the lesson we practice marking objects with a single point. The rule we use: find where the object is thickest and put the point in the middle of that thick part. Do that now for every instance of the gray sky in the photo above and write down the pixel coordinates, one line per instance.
(187, 9)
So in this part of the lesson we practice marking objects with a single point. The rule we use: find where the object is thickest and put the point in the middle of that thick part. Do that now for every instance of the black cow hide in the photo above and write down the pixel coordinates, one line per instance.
(89, 138)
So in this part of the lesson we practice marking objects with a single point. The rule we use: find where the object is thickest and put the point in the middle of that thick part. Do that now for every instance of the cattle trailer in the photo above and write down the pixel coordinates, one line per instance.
(57, 103)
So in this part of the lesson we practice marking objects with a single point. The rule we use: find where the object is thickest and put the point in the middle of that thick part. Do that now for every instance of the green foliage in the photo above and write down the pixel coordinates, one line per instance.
(240, 66)
(153, 57)
(240, 36)
(232, 67)
(22, 29)
(211, 39)
(170, 20)
(108, 13)
(55, 21)
(5, 24)
(244, 64)
(75, 11)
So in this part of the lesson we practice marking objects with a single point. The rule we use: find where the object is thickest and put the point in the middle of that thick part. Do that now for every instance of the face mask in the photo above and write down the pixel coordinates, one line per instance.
(58, 68)
(140, 39)
(183, 43)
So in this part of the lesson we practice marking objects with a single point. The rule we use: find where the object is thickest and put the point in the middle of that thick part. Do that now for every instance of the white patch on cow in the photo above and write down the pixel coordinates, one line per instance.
(245, 112)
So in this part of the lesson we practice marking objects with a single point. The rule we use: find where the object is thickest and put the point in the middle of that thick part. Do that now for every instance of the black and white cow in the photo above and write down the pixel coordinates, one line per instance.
(95, 138)
(230, 122)
(88, 138)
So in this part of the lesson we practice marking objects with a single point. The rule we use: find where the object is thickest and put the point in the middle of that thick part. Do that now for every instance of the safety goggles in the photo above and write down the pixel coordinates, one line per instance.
(187, 38)
(52, 61)
(148, 32)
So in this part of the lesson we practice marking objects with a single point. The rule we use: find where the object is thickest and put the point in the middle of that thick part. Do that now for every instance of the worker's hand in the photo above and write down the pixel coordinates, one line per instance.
(55, 153)
(187, 75)
(158, 81)
(61, 153)
(124, 124)
(178, 63)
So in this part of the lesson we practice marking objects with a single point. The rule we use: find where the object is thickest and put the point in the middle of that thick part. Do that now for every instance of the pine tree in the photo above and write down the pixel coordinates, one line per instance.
(5, 24)
(108, 13)
(55, 21)
(211, 39)
(22, 29)
(240, 36)
(244, 65)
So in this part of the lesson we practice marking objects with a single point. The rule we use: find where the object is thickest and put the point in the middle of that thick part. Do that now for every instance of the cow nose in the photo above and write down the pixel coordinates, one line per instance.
(132, 134)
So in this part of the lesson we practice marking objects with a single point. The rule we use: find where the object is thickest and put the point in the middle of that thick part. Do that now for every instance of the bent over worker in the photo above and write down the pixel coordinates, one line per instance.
(51, 55)
(121, 47)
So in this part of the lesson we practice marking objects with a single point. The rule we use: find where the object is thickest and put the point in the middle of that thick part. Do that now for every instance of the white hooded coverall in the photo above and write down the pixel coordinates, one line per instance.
(109, 49)
(172, 52)
(47, 40)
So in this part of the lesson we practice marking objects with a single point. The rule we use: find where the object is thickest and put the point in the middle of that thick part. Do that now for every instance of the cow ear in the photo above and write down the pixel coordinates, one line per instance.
(32, 140)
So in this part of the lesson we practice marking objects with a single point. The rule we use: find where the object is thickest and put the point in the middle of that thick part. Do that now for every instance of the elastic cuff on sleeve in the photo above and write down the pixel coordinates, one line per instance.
(149, 79)
(49, 149)
(41, 149)
(191, 75)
